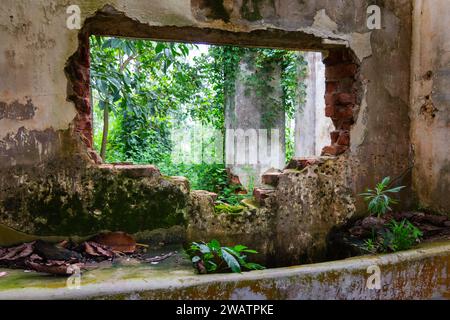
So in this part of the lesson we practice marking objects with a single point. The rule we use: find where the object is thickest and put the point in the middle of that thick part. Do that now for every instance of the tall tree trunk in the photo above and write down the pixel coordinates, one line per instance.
(105, 132)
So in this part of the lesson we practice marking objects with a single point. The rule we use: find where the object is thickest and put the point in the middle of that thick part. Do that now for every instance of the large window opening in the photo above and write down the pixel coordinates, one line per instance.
(212, 113)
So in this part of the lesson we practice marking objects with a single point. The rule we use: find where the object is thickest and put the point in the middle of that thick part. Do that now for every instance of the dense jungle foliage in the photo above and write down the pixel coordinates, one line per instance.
(143, 90)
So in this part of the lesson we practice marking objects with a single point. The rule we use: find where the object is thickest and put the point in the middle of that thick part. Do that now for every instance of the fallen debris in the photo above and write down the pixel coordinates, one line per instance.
(97, 250)
(157, 259)
(433, 228)
(116, 241)
(66, 257)
(55, 267)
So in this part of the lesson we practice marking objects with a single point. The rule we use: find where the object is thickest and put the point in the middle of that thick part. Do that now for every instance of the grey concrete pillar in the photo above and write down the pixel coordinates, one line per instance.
(255, 123)
(312, 128)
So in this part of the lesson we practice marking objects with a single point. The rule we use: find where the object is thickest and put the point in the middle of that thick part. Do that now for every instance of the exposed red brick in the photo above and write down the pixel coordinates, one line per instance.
(95, 156)
(81, 88)
(340, 71)
(345, 98)
(346, 85)
(331, 86)
(340, 98)
(333, 150)
(84, 57)
(334, 136)
(343, 112)
(81, 73)
(344, 138)
(271, 178)
(329, 111)
(84, 122)
(83, 105)
(342, 124)
(261, 194)
(337, 56)
(330, 98)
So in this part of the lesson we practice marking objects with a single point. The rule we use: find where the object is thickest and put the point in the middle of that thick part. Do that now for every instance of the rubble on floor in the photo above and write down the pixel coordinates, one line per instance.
(67, 257)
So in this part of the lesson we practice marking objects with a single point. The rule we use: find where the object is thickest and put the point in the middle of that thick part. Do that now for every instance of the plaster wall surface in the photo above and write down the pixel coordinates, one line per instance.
(248, 114)
(312, 127)
(36, 45)
(430, 104)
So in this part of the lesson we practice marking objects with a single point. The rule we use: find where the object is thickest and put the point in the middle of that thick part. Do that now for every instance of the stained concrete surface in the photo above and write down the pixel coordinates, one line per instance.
(421, 273)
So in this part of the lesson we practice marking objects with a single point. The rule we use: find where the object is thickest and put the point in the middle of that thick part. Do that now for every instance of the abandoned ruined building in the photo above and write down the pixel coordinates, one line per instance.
(386, 92)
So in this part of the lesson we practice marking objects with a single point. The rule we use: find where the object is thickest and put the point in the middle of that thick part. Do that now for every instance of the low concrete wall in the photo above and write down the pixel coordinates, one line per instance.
(423, 273)
(290, 223)
(82, 200)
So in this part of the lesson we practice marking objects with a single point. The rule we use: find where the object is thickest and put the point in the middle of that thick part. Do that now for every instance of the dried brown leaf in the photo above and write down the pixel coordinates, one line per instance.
(18, 252)
(117, 241)
(97, 250)
(64, 269)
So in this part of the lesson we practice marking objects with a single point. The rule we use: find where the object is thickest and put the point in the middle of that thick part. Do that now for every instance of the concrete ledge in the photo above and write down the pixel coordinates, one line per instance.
(422, 273)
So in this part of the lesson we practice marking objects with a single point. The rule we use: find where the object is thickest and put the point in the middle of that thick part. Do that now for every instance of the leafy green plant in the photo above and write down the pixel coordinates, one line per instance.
(231, 195)
(378, 199)
(370, 245)
(400, 236)
(227, 208)
(211, 257)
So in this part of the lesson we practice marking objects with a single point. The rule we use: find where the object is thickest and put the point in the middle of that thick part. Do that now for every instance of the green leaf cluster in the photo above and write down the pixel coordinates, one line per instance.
(396, 236)
(211, 257)
(378, 199)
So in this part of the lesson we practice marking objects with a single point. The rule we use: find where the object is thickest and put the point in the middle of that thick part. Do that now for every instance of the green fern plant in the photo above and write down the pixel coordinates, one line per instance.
(378, 199)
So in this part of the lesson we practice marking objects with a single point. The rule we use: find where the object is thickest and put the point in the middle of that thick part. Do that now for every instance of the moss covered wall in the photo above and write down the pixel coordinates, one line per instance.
(72, 200)
(290, 226)
(46, 164)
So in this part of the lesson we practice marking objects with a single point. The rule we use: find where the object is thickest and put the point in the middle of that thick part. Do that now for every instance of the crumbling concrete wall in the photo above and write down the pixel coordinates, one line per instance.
(430, 104)
(290, 224)
(44, 110)
(80, 200)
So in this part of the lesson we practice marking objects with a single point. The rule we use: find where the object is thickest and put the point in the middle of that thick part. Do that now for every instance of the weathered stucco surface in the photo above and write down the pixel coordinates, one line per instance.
(83, 200)
(430, 104)
(312, 127)
(40, 140)
(290, 226)
(416, 274)
(246, 109)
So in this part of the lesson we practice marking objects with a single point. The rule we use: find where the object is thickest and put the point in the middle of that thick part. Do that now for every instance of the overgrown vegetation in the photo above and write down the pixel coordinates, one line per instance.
(143, 90)
(396, 236)
(228, 208)
(211, 257)
(393, 236)
(378, 198)
(400, 236)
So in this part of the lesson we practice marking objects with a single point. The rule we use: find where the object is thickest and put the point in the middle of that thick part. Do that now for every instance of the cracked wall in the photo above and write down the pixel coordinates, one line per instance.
(430, 104)
(36, 47)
